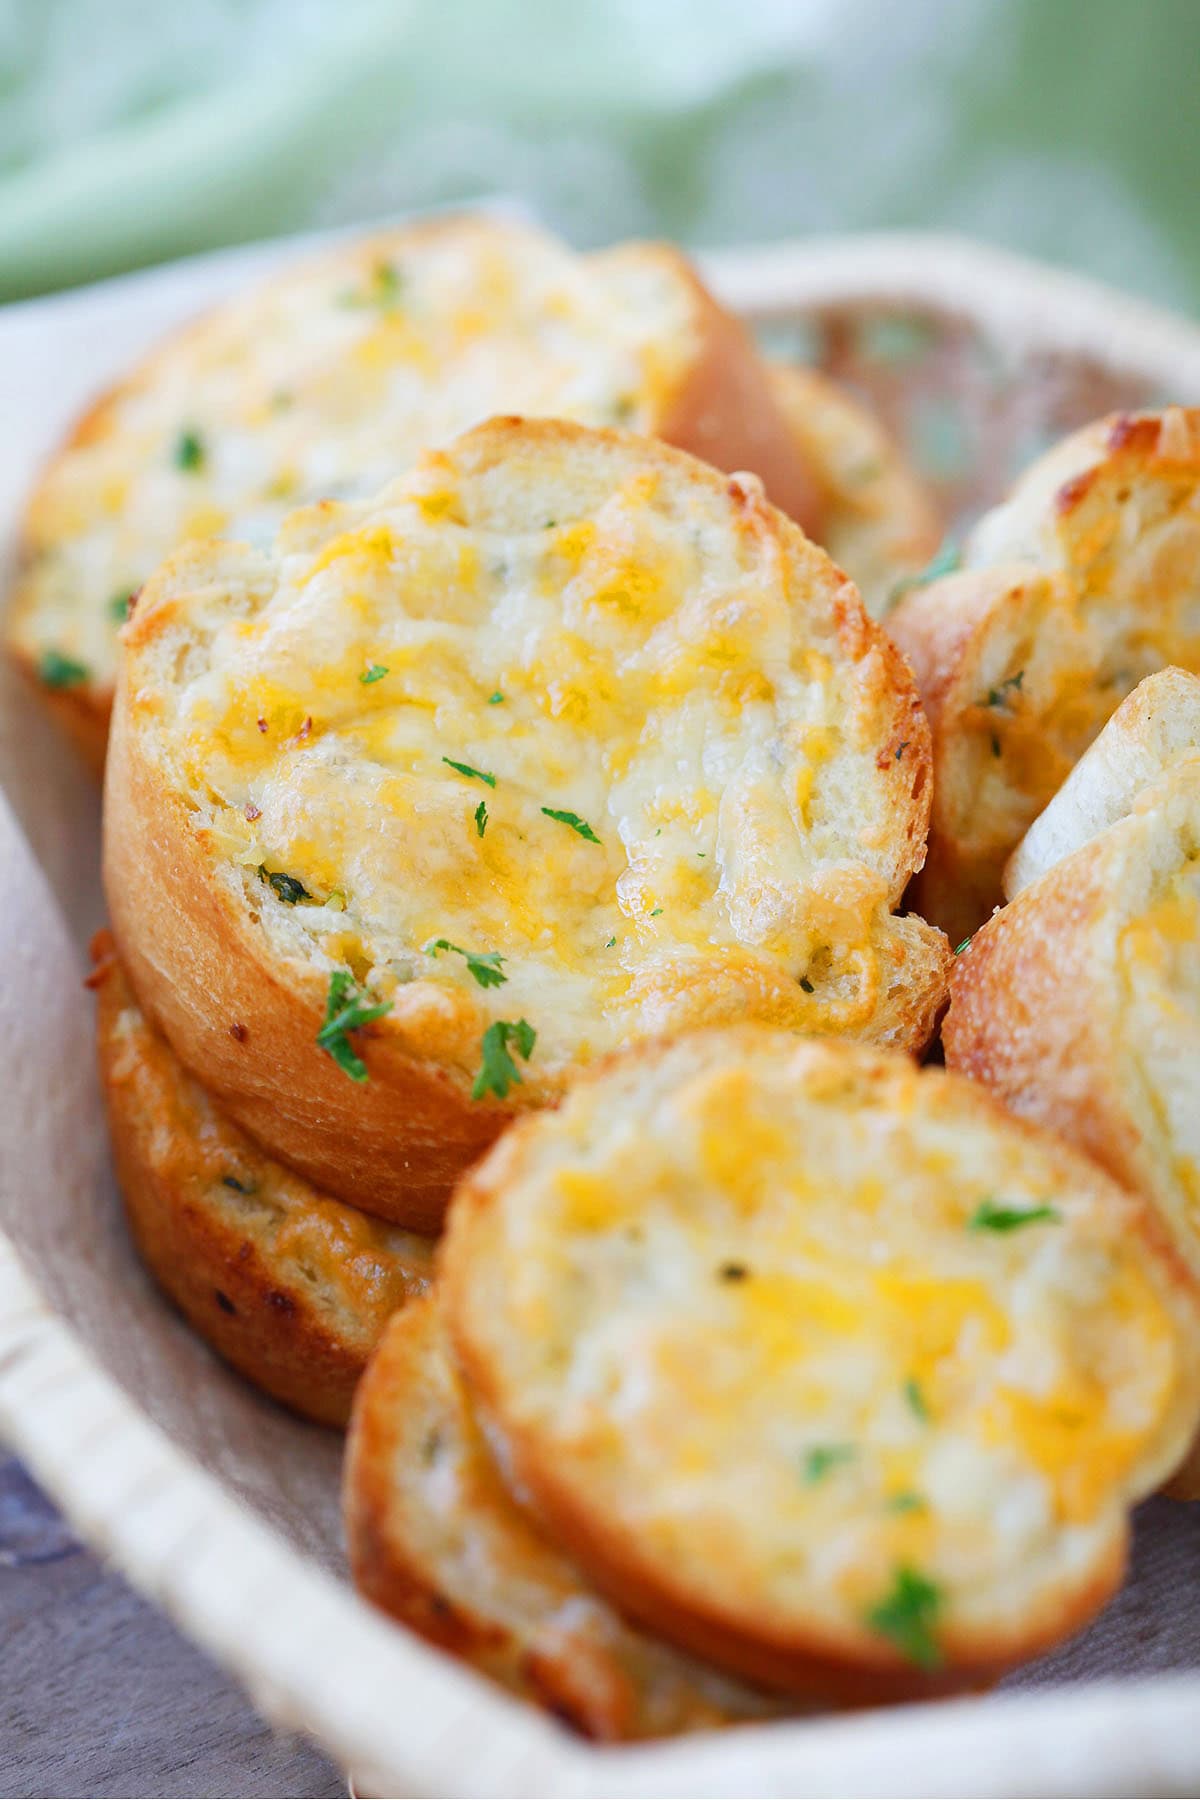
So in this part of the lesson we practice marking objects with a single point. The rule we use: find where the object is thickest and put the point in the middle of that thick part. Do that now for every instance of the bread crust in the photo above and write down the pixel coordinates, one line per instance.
(436, 1541)
(289, 1287)
(722, 407)
(1153, 729)
(395, 1143)
(796, 1653)
(875, 518)
(1072, 592)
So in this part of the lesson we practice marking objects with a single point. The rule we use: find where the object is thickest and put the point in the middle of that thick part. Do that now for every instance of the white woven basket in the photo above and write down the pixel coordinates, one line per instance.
(224, 1510)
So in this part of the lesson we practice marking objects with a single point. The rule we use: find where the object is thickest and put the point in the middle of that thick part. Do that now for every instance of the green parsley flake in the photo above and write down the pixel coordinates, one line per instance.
(189, 452)
(945, 562)
(346, 1011)
(59, 671)
(498, 1072)
(822, 1459)
(959, 948)
(574, 821)
(656, 912)
(989, 1215)
(916, 1400)
(481, 817)
(496, 698)
(376, 672)
(610, 943)
(381, 290)
(997, 695)
(485, 966)
(907, 1615)
(118, 606)
(907, 1502)
(807, 985)
(286, 887)
(470, 773)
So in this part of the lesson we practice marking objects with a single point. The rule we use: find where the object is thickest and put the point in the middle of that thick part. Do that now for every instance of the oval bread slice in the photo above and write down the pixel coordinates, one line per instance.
(436, 1541)
(820, 1365)
(1153, 729)
(562, 741)
(1084, 582)
(330, 378)
(290, 1287)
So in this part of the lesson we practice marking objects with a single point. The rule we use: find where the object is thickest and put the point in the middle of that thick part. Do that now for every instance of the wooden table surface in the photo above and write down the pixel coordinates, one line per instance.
(100, 1695)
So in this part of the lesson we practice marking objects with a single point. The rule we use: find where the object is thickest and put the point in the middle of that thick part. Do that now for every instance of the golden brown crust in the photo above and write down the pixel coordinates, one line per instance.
(436, 1541)
(396, 1143)
(631, 1562)
(289, 1287)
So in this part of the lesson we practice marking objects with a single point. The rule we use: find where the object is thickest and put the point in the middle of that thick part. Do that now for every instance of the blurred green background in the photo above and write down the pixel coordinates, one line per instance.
(135, 130)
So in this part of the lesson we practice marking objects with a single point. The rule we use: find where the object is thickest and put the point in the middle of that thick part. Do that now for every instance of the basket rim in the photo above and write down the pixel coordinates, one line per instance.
(317, 1659)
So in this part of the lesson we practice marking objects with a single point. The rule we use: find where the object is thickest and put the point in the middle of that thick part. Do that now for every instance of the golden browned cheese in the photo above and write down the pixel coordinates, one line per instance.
(436, 1540)
(329, 379)
(562, 741)
(822, 1366)
(1085, 581)
(289, 1286)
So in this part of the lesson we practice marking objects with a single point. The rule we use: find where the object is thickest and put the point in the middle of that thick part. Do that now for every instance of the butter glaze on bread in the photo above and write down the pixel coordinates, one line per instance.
(435, 1540)
(1084, 582)
(1154, 729)
(289, 1286)
(636, 738)
(740, 1340)
(329, 379)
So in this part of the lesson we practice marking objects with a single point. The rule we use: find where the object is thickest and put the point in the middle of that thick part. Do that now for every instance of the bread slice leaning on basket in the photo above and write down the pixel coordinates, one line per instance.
(332, 376)
(436, 1541)
(1085, 581)
(865, 1475)
(563, 741)
(1079, 1002)
(292, 1288)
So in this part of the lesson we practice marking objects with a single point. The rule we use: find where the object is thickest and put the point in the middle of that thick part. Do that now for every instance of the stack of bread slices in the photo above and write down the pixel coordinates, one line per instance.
(510, 805)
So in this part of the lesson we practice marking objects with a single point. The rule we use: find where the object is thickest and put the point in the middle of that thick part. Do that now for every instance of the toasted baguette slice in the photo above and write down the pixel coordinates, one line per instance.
(1086, 581)
(436, 1541)
(563, 740)
(1154, 729)
(290, 1287)
(874, 517)
(331, 377)
(821, 1365)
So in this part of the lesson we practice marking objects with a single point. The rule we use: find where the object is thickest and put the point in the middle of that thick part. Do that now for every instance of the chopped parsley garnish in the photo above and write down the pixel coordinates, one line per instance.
(286, 887)
(59, 671)
(916, 1400)
(496, 698)
(481, 817)
(733, 1272)
(945, 562)
(189, 451)
(346, 1011)
(485, 966)
(118, 606)
(382, 289)
(807, 985)
(959, 948)
(376, 672)
(656, 912)
(989, 1215)
(823, 1458)
(907, 1615)
(610, 943)
(996, 695)
(470, 773)
(907, 1502)
(498, 1072)
(574, 821)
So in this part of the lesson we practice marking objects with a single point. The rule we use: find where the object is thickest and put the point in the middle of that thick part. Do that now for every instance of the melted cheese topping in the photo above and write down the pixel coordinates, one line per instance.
(745, 1307)
(630, 656)
(1159, 958)
(329, 381)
